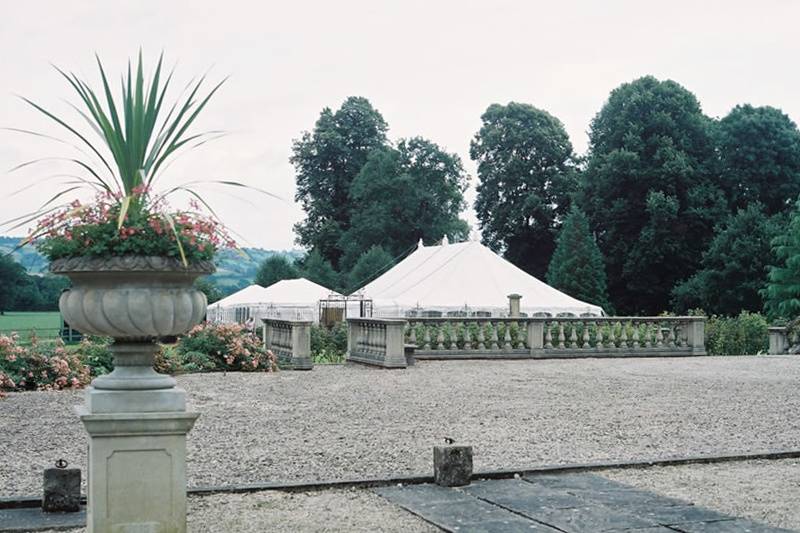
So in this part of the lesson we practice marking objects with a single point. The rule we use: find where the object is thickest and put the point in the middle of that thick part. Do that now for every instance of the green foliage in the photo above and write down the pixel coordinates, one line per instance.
(759, 151)
(577, 266)
(274, 269)
(746, 334)
(734, 267)
(783, 288)
(369, 266)
(404, 194)
(319, 270)
(209, 288)
(329, 345)
(225, 347)
(327, 161)
(649, 190)
(12, 275)
(137, 130)
(167, 360)
(95, 352)
(526, 177)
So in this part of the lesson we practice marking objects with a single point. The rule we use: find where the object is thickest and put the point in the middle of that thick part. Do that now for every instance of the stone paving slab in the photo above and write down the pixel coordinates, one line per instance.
(13, 520)
(571, 503)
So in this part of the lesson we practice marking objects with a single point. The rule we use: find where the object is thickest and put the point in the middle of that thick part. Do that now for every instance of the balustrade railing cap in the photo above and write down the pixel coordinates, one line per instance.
(286, 321)
(378, 320)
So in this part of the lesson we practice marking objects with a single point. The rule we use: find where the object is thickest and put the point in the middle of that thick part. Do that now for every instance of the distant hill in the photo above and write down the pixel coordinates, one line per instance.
(235, 268)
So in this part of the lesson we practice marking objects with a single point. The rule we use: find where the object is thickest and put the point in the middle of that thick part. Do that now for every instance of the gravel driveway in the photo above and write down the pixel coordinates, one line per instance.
(351, 421)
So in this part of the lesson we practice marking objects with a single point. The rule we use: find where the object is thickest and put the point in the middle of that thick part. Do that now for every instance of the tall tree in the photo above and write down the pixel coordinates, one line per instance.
(316, 268)
(649, 190)
(12, 277)
(783, 288)
(274, 269)
(369, 266)
(326, 162)
(577, 266)
(759, 151)
(405, 194)
(526, 177)
(209, 288)
(734, 268)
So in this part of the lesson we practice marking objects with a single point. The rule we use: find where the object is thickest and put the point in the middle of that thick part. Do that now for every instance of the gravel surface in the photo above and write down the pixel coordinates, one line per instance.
(330, 510)
(765, 491)
(349, 421)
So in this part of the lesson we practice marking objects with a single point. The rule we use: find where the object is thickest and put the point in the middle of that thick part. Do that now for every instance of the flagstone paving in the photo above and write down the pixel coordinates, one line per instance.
(571, 503)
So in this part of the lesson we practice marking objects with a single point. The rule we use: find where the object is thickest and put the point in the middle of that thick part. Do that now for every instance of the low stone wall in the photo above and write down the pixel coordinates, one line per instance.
(290, 341)
(376, 341)
(563, 337)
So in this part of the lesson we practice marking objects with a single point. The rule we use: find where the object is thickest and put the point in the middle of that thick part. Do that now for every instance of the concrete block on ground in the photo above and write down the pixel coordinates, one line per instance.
(62, 490)
(452, 465)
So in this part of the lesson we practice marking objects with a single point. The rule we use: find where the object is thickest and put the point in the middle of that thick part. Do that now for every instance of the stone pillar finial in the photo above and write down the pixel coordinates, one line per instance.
(514, 305)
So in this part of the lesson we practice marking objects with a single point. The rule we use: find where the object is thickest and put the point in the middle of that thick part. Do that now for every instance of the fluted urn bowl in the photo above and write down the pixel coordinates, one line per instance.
(136, 300)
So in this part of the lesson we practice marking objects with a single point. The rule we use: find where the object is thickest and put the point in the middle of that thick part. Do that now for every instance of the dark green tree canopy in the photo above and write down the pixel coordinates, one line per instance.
(209, 288)
(326, 161)
(369, 266)
(316, 268)
(760, 157)
(274, 269)
(783, 288)
(734, 268)
(526, 177)
(14, 283)
(649, 190)
(403, 194)
(577, 266)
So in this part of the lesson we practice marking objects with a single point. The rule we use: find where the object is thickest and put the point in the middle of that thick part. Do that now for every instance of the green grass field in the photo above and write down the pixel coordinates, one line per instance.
(45, 323)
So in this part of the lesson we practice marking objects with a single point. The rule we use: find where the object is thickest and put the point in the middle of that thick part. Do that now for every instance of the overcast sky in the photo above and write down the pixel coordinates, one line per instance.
(430, 67)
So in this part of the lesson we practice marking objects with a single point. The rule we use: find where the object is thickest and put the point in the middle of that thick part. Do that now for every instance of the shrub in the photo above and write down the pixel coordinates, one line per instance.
(209, 347)
(167, 360)
(40, 366)
(329, 345)
(745, 334)
(95, 352)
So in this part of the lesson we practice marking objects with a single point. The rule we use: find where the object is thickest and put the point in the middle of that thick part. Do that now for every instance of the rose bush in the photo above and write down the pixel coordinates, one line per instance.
(229, 347)
(40, 366)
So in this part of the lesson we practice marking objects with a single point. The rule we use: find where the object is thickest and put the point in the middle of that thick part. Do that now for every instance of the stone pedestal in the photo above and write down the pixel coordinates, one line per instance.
(137, 460)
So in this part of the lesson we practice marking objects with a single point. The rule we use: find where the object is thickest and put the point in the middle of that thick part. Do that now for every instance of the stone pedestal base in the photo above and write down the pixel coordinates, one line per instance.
(137, 462)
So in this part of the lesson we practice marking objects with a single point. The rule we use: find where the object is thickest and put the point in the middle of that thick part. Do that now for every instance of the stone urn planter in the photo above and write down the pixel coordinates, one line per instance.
(134, 415)
(136, 300)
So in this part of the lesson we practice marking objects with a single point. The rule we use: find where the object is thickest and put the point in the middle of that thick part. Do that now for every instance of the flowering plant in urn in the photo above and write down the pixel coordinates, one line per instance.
(132, 258)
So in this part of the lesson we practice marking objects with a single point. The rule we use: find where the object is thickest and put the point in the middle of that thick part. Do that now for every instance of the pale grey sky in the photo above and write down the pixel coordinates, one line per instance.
(430, 67)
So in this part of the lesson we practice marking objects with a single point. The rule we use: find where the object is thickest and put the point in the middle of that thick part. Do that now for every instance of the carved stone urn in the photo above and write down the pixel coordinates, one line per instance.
(136, 418)
(136, 300)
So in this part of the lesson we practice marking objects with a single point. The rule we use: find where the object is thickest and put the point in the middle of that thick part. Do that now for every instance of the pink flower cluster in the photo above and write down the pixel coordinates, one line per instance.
(239, 349)
(39, 366)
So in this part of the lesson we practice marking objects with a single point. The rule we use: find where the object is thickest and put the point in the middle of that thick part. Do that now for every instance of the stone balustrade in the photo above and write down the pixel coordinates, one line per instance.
(290, 341)
(376, 341)
(783, 340)
(544, 337)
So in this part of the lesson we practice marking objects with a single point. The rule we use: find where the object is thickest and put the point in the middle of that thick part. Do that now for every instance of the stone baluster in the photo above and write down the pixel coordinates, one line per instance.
(659, 335)
(412, 334)
(454, 335)
(440, 336)
(548, 335)
(481, 336)
(648, 330)
(670, 335)
(507, 337)
(573, 336)
(679, 333)
(586, 336)
(561, 337)
(495, 339)
(520, 336)
(623, 336)
(635, 335)
(467, 337)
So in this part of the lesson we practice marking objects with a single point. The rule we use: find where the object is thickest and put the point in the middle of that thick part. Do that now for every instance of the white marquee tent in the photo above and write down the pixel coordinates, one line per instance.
(296, 299)
(464, 277)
